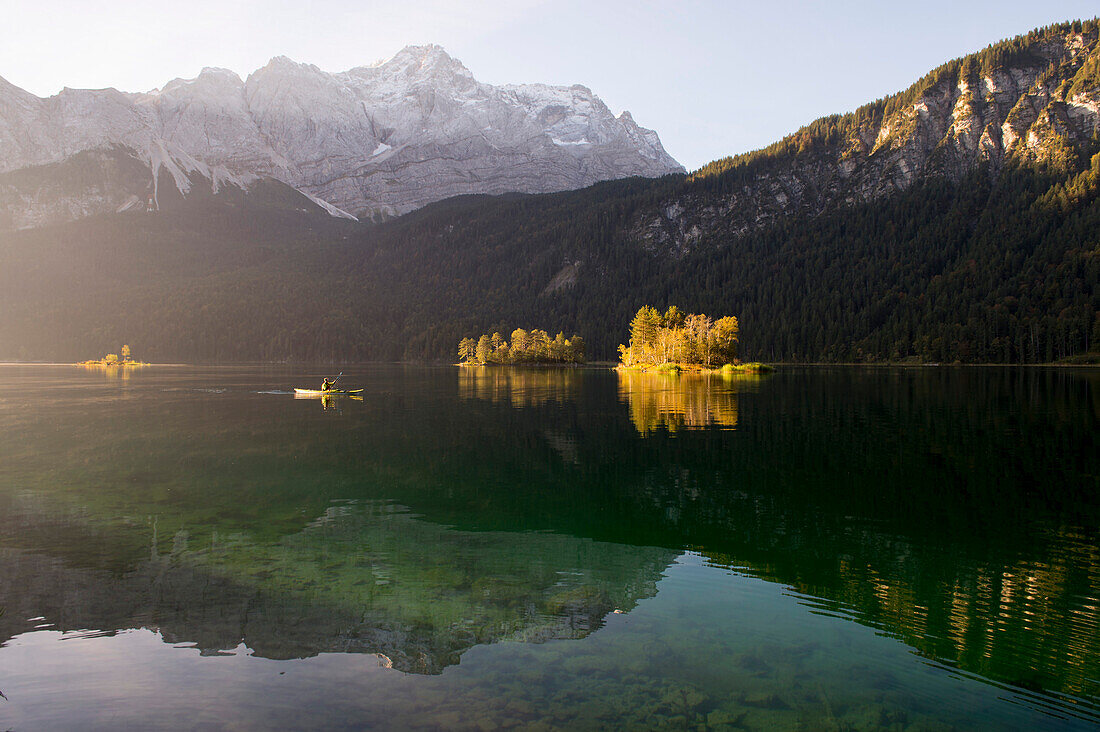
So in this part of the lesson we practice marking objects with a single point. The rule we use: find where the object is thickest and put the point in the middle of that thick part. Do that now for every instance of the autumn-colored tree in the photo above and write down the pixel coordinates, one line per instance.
(467, 349)
(676, 337)
(484, 349)
(700, 339)
(643, 328)
(533, 346)
(673, 318)
(500, 348)
(540, 345)
(559, 347)
(726, 332)
(521, 341)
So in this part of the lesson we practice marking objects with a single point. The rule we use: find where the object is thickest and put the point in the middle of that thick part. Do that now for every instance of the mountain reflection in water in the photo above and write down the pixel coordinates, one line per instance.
(363, 577)
(954, 510)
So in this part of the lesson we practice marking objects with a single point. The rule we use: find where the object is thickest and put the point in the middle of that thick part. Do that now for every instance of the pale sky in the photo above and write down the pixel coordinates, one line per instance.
(713, 78)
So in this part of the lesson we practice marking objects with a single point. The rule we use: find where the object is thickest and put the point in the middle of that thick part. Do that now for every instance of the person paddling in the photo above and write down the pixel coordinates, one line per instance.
(327, 385)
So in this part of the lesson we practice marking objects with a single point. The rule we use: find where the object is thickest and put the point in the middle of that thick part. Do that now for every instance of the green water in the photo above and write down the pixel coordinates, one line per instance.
(908, 549)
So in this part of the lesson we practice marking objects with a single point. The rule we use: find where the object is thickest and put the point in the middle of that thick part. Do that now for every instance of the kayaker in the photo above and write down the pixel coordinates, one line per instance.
(327, 385)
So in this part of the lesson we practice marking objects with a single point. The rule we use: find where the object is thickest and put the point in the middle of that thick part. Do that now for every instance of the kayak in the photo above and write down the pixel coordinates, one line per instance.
(330, 392)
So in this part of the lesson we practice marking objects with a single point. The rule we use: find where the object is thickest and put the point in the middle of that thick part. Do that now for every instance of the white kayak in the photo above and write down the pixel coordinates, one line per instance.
(329, 392)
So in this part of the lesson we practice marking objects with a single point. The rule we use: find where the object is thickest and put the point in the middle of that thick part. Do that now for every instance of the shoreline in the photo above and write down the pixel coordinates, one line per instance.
(590, 364)
(754, 368)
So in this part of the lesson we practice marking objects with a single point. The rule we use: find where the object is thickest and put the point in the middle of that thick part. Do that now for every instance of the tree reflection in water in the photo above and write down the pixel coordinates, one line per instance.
(681, 401)
(519, 386)
(954, 510)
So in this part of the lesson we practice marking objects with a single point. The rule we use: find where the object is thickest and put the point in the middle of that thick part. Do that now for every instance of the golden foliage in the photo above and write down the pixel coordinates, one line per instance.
(677, 402)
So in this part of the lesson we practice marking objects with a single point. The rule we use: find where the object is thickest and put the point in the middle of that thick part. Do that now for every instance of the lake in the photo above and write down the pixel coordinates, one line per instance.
(821, 548)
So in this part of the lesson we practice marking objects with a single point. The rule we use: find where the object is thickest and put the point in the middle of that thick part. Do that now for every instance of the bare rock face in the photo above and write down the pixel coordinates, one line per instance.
(375, 141)
(1040, 107)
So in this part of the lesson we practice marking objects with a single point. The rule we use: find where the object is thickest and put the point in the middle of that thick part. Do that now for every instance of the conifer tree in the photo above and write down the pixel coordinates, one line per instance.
(467, 349)
(484, 349)
(676, 337)
(521, 341)
(576, 347)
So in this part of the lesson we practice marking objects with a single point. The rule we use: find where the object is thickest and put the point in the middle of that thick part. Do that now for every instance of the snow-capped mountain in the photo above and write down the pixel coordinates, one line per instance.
(373, 141)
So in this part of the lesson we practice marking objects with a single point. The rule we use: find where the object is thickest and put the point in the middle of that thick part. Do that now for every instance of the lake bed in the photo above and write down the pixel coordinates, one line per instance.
(821, 548)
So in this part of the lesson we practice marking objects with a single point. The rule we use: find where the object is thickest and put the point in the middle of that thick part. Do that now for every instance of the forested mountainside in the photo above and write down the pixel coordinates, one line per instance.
(957, 220)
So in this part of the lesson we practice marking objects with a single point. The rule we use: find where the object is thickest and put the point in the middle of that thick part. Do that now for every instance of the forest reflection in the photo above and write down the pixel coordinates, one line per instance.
(518, 386)
(110, 373)
(1029, 622)
(953, 509)
(679, 401)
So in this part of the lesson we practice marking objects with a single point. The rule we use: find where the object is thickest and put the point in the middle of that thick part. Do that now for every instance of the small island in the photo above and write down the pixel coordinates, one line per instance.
(534, 347)
(114, 359)
(674, 341)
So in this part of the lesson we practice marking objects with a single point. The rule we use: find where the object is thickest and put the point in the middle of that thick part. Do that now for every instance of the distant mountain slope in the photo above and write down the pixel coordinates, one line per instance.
(1033, 100)
(826, 250)
(375, 141)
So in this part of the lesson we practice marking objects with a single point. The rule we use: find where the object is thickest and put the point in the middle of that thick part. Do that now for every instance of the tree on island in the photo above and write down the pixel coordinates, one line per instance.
(113, 359)
(676, 338)
(520, 341)
(535, 346)
(484, 350)
(467, 349)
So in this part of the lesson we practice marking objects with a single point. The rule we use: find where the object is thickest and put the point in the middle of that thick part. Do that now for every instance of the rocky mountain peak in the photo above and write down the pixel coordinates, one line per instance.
(376, 140)
(282, 68)
(426, 59)
(414, 66)
(216, 73)
(210, 78)
(281, 62)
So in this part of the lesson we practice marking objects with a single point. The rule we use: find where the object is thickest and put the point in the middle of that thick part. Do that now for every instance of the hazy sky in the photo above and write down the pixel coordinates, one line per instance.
(713, 78)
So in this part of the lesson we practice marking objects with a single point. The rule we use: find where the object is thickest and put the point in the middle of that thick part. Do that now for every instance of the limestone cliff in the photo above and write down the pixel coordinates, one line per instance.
(1033, 100)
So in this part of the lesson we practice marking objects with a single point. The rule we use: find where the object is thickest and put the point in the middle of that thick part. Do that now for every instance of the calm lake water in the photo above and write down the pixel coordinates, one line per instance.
(909, 549)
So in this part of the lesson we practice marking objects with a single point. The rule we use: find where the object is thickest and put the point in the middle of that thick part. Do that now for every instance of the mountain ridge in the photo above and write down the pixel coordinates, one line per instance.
(1031, 100)
(376, 141)
(924, 247)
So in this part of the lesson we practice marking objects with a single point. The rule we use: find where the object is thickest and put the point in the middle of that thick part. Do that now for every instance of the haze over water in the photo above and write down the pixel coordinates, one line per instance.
(842, 548)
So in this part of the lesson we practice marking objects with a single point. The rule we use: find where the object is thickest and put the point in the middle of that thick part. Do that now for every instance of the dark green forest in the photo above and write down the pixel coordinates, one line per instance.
(998, 265)
(986, 270)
